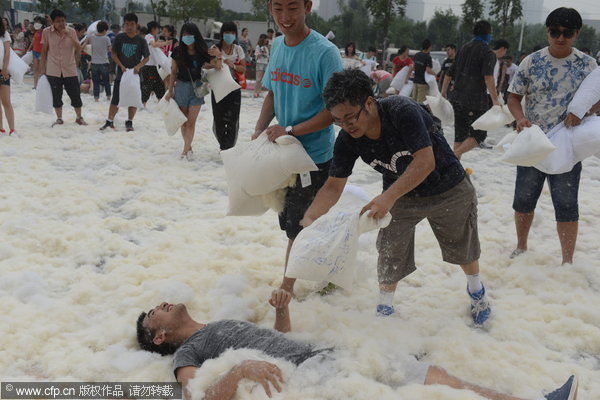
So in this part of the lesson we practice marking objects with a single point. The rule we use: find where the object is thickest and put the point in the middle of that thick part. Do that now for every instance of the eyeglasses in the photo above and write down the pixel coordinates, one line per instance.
(567, 33)
(351, 120)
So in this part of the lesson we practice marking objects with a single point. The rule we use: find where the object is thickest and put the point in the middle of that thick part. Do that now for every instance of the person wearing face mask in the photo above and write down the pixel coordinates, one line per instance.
(189, 59)
(226, 113)
(472, 73)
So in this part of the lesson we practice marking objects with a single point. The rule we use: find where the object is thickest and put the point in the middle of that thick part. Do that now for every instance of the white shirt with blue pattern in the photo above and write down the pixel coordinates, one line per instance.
(549, 84)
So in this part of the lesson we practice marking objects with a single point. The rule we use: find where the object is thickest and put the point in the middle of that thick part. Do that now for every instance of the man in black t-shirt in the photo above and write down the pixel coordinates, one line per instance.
(473, 75)
(422, 178)
(423, 64)
(451, 53)
(129, 51)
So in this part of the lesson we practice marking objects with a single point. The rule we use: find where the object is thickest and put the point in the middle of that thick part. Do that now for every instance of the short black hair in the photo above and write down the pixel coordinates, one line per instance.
(482, 28)
(114, 27)
(501, 43)
(145, 336)
(507, 57)
(131, 17)
(452, 46)
(372, 49)
(402, 49)
(566, 17)
(102, 26)
(426, 44)
(270, 30)
(56, 13)
(352, 86)
(151, 25)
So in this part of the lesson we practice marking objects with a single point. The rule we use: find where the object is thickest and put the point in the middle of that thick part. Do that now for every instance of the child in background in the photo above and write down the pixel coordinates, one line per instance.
(100, 65)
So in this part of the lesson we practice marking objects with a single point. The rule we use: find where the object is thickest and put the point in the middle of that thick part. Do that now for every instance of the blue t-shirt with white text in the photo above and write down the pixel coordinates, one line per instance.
(297, 77)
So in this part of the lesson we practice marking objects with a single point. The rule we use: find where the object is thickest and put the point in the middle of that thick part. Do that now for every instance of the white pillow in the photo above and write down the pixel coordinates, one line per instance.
(261, 166)
(586, 138)
(130, 92)
(587, 94)
(172, 115)
(529, 148)
(494, 118)
(16, 66)
(221, 82)
(92, 29)
(406, 89)
(398, 81)
(441, 108)
(562, 159)
(433, 87)
(28, 57)
(505, 142)
(326, 250)
(43, 96)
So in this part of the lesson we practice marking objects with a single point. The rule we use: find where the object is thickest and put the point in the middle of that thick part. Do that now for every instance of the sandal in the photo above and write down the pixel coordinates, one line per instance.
(59, 121)
(80, 121)
(2, 130)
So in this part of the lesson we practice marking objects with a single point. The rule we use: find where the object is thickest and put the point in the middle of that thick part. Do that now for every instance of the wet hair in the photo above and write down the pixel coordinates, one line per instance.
(57, 14)
(182, 57)
(102, 27)
(566, 17)
(452, 46)
(130, 17)
(352, 86)
(347, 51)
(482, 28)
(152, 25)
(501, 43)
(426, 44)
(145, 336)
(228, 26)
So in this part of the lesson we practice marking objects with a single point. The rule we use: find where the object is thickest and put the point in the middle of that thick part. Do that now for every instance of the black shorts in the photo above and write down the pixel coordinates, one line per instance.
(463, 119)
(71, 86)
(115, 94)
(298, 199)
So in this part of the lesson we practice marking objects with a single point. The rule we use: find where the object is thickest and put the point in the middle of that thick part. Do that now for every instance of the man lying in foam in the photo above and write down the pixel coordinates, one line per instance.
(168, 329)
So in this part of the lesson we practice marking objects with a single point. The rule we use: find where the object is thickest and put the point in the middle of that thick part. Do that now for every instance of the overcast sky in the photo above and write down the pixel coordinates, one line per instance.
(589, 9)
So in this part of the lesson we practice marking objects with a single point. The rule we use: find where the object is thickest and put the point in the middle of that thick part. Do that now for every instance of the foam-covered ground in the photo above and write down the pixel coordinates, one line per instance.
(97, 227)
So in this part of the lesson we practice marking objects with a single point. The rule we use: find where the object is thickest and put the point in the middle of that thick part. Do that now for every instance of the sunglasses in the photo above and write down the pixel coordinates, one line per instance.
(567, 33)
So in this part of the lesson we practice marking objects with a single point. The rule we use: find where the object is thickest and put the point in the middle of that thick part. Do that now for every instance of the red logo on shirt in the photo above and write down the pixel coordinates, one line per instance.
(292, 79)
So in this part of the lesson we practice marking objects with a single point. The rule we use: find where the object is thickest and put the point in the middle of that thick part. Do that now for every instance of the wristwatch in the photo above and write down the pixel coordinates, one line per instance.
(289, 130)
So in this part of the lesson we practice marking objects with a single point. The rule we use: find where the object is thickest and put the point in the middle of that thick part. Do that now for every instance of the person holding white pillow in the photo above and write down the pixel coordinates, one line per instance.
(562, 68)
(189, 58)
(5, 82)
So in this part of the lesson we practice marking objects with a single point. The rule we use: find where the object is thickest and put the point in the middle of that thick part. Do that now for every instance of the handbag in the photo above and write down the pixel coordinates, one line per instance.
(200, 86)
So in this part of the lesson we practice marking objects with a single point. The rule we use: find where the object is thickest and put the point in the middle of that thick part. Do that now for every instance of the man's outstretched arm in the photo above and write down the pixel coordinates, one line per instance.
(280, 299)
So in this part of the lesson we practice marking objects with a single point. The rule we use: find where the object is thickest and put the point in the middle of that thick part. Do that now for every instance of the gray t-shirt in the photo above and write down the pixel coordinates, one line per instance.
(215, 338)
(100, 46)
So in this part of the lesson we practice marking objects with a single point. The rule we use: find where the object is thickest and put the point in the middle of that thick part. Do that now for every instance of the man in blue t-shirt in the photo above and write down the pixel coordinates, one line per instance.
(301, 63)
(422, 178)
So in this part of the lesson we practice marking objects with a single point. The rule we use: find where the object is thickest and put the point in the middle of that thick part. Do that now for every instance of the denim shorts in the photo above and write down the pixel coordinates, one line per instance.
(564, 189)
(185, 96)
(37, 55)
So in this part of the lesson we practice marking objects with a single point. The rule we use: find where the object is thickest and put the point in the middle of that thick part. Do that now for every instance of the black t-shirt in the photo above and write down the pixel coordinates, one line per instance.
(446, 65)
(406, 127)
(422, 61)
(130, 51)
(192, 65)
(474, 60)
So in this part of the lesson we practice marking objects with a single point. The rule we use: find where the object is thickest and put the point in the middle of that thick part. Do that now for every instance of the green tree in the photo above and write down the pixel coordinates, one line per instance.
(261, 9)
(472, 12)
(443, 28)
(384, 11)
(185, 10)
(506, 12)
(587, 38)
(46, 6)
(352, 25)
